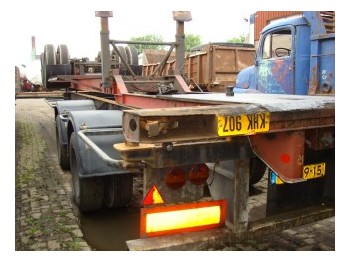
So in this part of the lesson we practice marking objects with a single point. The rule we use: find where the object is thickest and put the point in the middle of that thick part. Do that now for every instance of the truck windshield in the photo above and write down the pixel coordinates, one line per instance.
(277, 44)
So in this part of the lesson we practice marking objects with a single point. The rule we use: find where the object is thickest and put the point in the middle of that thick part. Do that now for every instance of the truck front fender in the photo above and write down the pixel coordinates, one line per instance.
(246, 79)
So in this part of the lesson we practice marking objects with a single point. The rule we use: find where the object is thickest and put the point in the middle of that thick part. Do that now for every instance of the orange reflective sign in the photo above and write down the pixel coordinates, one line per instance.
(152, 197)
(178, 218)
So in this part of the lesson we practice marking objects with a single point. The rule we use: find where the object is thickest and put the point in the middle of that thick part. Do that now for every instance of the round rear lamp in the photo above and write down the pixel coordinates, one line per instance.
(175, 178)
(198, 174)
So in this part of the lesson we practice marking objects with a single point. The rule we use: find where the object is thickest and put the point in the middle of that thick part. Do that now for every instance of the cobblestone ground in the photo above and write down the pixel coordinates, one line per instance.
(318, 236)
(46, 217)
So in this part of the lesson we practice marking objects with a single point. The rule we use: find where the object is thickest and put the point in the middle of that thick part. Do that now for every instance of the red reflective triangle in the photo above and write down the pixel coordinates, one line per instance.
(152, 197)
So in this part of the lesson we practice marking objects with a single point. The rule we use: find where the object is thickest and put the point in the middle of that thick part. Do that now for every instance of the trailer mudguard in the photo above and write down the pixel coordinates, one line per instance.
(61, 115)
(88, 162)
(97, 183)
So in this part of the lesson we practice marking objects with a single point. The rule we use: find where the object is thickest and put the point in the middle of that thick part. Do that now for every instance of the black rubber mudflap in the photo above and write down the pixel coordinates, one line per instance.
(285, 197)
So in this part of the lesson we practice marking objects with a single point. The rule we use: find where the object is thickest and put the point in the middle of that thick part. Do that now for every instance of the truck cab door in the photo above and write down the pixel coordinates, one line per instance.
(275, 62)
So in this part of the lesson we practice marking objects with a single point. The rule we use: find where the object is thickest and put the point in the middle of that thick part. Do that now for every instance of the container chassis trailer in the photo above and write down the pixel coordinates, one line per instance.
(111, 127)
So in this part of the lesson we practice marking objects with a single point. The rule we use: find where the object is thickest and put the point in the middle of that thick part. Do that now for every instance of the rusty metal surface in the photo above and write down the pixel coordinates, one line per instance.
(196, 123)
(269, 101)
(51, 94)
(159, 156)
(262, 18)
(83, 82)
(320, 139)
(216, 67)
(213, 68)
(282, 152)
(328, 18)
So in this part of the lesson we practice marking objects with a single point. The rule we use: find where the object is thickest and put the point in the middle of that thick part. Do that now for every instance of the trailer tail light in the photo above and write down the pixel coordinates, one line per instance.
(179, 218)
(175, 178)
(198, 174)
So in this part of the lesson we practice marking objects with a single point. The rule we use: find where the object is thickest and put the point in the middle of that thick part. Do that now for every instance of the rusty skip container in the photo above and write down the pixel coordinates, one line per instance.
(214, 66)
(211, 67)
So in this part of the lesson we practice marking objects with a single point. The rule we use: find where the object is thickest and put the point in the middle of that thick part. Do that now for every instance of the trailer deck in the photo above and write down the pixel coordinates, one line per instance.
(285, 113)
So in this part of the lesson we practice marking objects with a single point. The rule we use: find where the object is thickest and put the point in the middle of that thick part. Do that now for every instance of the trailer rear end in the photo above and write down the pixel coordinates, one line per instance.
(126, 125)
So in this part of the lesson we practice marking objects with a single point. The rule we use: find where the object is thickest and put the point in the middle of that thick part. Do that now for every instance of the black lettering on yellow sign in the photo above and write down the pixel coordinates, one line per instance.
(232, 124)
(243, 124)
(314, 171)
(256, 121)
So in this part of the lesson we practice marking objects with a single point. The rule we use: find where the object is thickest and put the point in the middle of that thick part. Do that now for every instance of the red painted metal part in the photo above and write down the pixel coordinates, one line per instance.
(282, 152)
(123, 96)
(84, 82)
(148, 101)
(263, 18)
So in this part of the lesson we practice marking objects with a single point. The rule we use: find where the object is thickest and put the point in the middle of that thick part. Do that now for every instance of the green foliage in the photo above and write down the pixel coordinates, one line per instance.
(147, 38)
(192, 41)
(240, 39)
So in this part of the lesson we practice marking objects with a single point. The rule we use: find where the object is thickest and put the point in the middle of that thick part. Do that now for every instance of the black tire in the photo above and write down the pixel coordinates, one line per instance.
(257, 169)
(62, 55)
(49, 55)
(115, 56)
(43, 71)
(132, 56)
(62, 152)
(98, 58)
(88, 192)
(118, 190)
(49, 58)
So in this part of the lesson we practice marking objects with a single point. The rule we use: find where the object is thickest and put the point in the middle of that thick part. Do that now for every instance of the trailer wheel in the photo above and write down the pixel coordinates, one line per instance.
(98, 58)
(62, 151)
(132, 56)
(115, 56)
(256, 171)
(62, 55)
(49, 55)
(118, 190)
(43, 71)
(88, 192)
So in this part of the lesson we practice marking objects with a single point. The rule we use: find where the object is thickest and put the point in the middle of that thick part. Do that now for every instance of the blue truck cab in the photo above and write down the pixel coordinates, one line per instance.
(295, 56)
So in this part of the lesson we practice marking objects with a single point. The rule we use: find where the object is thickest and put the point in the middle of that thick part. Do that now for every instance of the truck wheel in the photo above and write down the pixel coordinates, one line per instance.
(88, 192)
(115, 56)
(49, 55)
(43, 71)
(118, 190)
(62, 55)
(132, 56)
(62, 153)
(257, 169)
(98, 58)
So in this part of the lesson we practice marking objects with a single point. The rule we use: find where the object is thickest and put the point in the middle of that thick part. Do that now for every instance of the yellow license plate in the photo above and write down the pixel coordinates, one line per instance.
(243, 124)
(314, 171)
